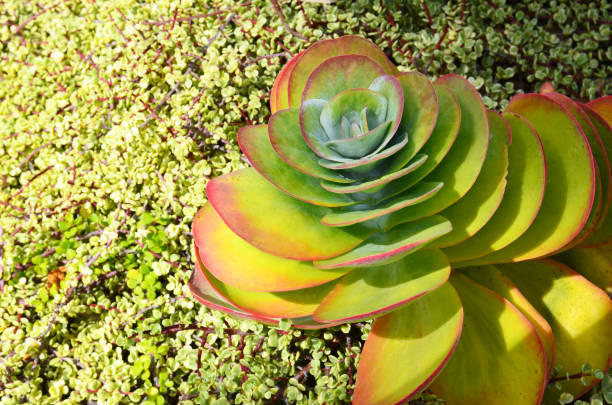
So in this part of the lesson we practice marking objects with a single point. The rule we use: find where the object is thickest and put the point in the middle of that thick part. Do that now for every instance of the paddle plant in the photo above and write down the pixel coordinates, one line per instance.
(379, 194)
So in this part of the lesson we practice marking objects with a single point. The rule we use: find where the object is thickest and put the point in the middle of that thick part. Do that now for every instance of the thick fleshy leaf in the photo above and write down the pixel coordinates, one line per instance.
(461, 166)
(418, 121)
(438, 145)
(579, 313)
(603, 233)
(288, 143)
(322, 51)
(276, 223)
(420, 111)
(490, 277)
(392, 90)
(233, 261)
(383, 248)
(366, 165)
(204, 292)
(593, 263)
(286, 304)
(441, 139)
(473, 211)
(279, 96)
(308, 322)
(370, 291)
(380, 195)
(375, 184)
(522, 199)
(313, 132)
(408, 348)
(255, 144)
(361, 145)
(415, 195)
(350, 104)
(603, 106)
(570, 187)
(499, 359)
(340, 73)
(603, 184)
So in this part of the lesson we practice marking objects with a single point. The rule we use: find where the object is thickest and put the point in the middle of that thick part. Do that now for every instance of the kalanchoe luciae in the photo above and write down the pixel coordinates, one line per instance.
(376, 193)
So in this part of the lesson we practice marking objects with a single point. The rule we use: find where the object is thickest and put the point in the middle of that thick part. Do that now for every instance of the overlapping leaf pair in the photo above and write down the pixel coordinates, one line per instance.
(367, 187)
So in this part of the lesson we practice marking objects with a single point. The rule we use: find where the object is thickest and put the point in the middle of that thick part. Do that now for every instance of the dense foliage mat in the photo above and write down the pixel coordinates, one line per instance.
(115, 115)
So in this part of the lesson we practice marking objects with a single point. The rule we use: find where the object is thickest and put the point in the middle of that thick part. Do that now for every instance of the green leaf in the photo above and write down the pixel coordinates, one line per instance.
(493, 279)
(419, 113)
(274, 222)
(603, 233)
(370, 291)
(474, 209)
(279, 95)
(321, 51)
(255, 144)
(203, 291)
(339, 73)
(365, 166)
(361, 145)
(593, 263)
(566, 398)
(386, 247)
(376, 184)
(314, 134)
(569, 192)
(133, 278)
(497, 345)
(147, 218)
(392, 90)
(526, 171)
(285, 304)
(286, 139)
(417, 194)
(427, 329)
(438, 143)
(70, 254)
(233, 261)
(350, 104)
(579, 313)
(461, 166)
(603, 185)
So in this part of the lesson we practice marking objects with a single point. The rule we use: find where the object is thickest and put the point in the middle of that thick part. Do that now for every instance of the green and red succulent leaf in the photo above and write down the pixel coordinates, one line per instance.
(409, 347)
(522, 198)
(579, 314)
(495, 334)
(492, 278)
(288, 143)
(275, 222)
(235, 262)
(594, 263)
(476, 208)
(569, 191)
(370, 291)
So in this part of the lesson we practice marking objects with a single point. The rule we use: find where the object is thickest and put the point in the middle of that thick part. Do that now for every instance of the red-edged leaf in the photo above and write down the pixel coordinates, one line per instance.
(408, 348)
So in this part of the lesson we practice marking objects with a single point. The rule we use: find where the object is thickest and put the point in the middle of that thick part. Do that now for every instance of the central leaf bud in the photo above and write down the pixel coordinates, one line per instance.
(355, 126)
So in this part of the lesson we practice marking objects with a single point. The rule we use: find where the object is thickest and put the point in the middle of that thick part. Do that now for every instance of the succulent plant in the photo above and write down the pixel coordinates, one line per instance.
(379, 194)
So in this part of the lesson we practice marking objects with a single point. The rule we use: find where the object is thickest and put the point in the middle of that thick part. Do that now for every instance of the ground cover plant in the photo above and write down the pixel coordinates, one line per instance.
(114, 116)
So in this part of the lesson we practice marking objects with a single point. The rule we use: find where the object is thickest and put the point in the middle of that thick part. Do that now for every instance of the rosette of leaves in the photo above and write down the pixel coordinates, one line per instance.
(379, 194)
